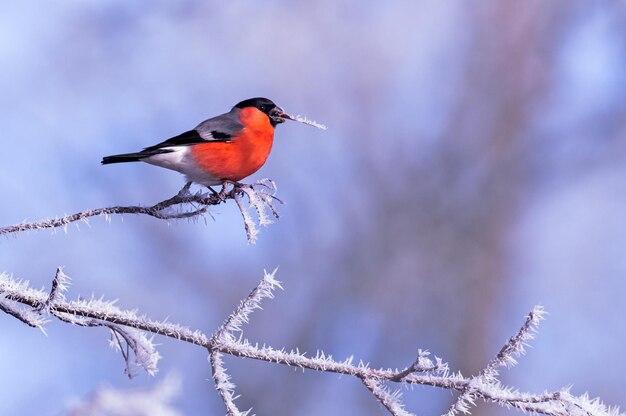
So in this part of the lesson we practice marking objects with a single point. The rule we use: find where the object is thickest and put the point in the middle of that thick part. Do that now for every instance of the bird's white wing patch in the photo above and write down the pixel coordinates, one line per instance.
(173, 159)
(180, 159)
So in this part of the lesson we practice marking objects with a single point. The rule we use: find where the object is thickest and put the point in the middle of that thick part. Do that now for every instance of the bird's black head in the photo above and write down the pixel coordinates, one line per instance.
(275, 113)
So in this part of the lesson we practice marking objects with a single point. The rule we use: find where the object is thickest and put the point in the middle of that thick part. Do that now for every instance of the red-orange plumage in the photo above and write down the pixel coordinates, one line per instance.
(244, 154)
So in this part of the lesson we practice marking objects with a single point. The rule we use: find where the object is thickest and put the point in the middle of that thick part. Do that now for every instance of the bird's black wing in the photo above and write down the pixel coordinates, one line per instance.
(217, 129)
(186, 138)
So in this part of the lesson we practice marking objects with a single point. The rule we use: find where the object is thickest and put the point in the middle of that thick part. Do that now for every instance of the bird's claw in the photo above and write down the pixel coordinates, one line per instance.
(185, 190)
(223, 194)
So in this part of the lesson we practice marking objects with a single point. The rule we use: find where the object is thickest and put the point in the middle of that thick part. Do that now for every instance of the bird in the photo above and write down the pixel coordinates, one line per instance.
(223, 149)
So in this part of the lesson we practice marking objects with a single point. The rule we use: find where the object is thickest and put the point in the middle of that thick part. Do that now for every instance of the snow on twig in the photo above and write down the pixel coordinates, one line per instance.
(261, 197)
(506, 357)
(224, 386)
(60, 285)
(226, 334)
(390, 399)
(241, 315)
(127, 340)
(306, 120)
(182, 205)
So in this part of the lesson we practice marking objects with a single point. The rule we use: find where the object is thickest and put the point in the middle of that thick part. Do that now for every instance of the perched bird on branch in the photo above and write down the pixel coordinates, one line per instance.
(222, 149)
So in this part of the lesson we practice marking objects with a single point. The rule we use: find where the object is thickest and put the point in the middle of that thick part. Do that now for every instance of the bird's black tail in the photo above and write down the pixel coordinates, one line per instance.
(134, 157)
(128, 157)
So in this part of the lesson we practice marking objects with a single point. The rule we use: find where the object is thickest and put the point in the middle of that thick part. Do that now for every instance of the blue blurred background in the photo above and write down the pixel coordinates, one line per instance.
(473, 167)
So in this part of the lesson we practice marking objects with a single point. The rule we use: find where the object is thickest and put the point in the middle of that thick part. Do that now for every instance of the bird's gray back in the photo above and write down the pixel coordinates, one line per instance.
(220, 127)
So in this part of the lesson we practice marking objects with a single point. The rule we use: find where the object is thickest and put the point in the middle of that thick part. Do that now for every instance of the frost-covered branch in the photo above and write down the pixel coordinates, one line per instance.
(241, 315)
(184, 204)
(261, 199)
(60, 285)
(27, 316)
(515, 347)
(390, 399)
(223, 385)
(422, 364)
(32, 306)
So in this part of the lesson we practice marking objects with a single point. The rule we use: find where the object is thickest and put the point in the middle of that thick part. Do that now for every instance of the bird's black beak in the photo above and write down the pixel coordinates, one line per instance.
(279, 116)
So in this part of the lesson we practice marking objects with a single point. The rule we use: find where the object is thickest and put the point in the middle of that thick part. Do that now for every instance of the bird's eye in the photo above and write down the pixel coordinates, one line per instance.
(265, 108)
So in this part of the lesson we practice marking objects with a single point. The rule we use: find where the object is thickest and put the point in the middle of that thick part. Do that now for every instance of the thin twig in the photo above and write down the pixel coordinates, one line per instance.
(21, 315)
(260, 195)
(391, 400)
(514, 347)
(422, 364)
(223, 385)
(252, 302)
(59, 286)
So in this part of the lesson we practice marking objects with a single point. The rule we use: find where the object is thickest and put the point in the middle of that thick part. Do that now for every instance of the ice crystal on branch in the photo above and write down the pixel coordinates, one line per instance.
(261, 197)
(236, 320)
(224, 386)
(392, 400)
(27, 315)
(514, 348)
(60, 284)
(306, 120)
(130, 342)
(127, 340)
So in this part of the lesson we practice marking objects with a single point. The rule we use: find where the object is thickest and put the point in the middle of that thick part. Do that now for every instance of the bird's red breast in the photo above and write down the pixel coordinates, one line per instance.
(244, 154)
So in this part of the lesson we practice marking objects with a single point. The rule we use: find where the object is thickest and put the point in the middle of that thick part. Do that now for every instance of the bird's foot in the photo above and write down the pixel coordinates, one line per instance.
(184, 190)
